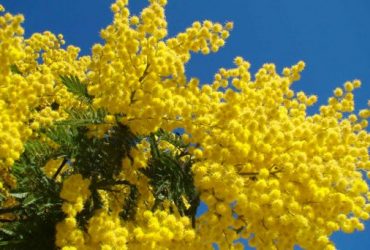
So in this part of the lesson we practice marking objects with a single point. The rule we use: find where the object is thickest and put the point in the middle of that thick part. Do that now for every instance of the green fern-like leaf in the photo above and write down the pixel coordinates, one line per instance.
(86, 117)
(76, 87)
(37, 152)
(66, 137)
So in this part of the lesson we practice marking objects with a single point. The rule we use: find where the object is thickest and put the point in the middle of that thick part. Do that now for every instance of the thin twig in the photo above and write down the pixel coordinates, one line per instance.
(60, 168)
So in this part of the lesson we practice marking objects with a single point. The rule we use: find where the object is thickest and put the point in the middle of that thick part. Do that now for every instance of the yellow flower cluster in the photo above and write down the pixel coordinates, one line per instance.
(103, 232)
(289, 177)
(75, 192)
(29, 85)
(142, 74)
(12, 114)
(51, 167)
(161, 230)
(266, 169)
(131, 169)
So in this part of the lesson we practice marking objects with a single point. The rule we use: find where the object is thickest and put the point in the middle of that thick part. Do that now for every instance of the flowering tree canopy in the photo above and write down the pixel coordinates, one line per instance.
(116, 150)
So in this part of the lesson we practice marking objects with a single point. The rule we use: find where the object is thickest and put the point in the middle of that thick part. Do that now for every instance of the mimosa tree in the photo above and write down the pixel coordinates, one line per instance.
(116, 150)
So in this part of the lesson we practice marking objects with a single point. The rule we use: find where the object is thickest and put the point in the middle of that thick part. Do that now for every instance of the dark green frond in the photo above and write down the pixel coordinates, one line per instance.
(86, 117)
(170, 174)
(62, 135)
(36, 152)
(37, 211)
(75, 86)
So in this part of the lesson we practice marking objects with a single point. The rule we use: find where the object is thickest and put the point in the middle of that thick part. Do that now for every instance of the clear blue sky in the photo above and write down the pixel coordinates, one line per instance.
(331, 36)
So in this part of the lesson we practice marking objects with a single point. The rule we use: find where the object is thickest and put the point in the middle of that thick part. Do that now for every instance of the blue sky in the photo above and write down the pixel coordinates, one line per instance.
(331, 36)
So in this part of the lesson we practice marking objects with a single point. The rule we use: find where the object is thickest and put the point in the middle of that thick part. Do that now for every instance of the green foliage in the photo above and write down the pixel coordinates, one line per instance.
(39, 209)
(14, 69)
(36, 153)
(170, 174)
(39, 205)
(99, 159)
(77, 88)
(65, 136)
(86, 117)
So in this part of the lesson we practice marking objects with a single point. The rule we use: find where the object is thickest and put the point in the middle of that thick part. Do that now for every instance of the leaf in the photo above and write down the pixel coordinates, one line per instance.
(7, 232)
(153, 146)
(14, 69)
(2, 197)
(29, 200)
(63, 135)
(86, 117)
(77, 88)
(19, 195)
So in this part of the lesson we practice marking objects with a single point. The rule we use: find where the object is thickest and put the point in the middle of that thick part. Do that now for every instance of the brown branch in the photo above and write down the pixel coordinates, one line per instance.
(59, 169)
(9, 209)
